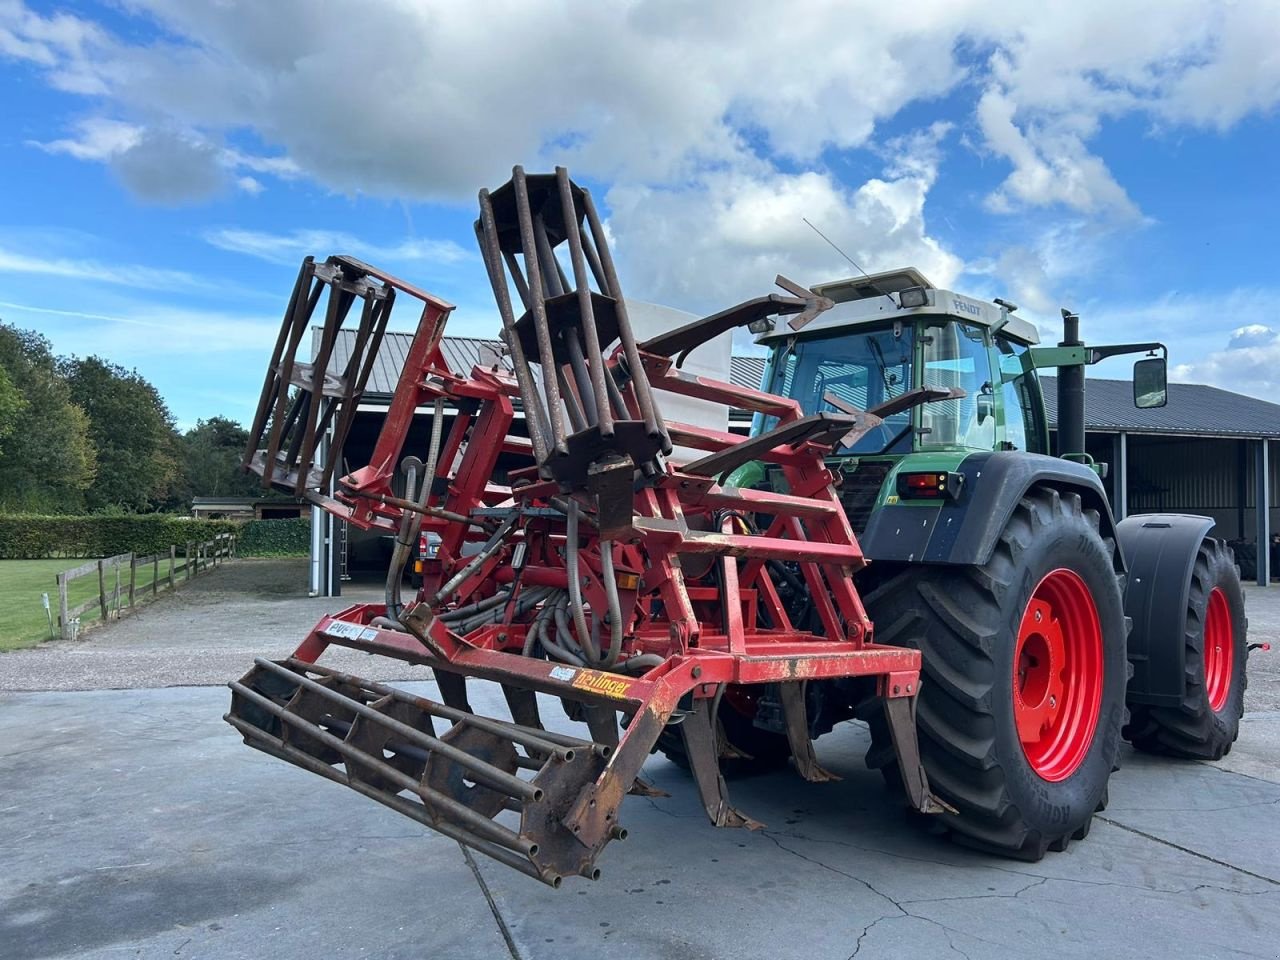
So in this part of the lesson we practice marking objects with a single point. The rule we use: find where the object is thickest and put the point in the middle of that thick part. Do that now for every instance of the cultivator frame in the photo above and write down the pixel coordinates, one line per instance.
(604, 574)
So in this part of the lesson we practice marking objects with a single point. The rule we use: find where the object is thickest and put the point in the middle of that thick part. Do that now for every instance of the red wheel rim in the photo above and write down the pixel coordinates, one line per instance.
(1219, 650)
(1058, 675)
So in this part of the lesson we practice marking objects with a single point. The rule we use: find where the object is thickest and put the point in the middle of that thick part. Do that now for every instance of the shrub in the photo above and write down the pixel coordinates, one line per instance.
(32, 537)
(274, 538)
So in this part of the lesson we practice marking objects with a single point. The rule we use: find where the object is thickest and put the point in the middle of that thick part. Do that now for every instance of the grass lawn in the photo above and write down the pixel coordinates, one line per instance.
(22, 617)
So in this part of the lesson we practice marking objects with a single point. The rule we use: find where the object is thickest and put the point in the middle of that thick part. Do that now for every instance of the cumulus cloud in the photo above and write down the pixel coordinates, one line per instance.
(711, 129)
(736, 229)
(428, 99)
(1250, 363)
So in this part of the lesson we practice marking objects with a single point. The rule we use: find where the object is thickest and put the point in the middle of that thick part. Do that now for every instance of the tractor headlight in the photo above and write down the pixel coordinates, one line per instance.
(913, 297)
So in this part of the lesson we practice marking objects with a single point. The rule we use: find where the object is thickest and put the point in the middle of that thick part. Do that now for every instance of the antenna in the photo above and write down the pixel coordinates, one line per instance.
(870, 282)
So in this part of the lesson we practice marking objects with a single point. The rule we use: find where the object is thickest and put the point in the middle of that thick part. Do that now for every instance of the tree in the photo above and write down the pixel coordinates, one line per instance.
(11, 404)
(211, 460)
(47, 460)
(133, 432)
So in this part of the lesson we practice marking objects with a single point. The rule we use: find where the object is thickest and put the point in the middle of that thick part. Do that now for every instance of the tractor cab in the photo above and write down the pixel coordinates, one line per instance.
(894, 333)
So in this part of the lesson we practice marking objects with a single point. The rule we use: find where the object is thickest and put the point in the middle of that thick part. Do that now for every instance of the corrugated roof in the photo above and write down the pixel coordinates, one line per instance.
(463, 353)
(1194, 409)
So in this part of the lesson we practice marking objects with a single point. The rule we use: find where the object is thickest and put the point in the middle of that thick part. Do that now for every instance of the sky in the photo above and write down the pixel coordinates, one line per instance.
(168, 163)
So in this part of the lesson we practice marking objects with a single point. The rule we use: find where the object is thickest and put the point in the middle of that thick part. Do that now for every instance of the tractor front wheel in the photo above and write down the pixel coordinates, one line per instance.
(1022, 696)
(1207, 721)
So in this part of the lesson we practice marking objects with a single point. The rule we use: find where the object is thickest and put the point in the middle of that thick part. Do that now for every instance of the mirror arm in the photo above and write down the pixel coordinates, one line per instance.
(1098, 354)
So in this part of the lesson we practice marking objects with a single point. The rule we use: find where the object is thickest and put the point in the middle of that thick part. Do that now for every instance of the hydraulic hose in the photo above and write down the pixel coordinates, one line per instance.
(615, 606)
(410, 522)
(575, 584)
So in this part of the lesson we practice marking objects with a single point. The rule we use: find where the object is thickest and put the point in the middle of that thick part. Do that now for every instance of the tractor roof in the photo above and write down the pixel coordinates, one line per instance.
(876, 298)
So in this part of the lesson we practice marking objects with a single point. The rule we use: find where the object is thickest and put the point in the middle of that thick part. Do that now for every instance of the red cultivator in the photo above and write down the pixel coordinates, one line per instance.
(605, 573)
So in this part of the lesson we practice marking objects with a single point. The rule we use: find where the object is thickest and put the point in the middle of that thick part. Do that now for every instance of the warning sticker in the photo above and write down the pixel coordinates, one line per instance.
(563, 673)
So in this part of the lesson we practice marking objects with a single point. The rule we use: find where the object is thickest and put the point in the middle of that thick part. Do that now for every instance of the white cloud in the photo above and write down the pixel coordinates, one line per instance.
(736, 229)
(165, 164)
(125, 275)
(433, 98)
(290, 248)
(712, 128)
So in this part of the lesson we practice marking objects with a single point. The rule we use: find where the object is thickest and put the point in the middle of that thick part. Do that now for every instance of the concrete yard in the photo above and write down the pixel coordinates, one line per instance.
(133, 823)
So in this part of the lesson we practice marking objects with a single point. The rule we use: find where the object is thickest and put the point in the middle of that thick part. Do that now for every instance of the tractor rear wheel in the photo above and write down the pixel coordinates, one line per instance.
(1022, 694)
(1207, 721)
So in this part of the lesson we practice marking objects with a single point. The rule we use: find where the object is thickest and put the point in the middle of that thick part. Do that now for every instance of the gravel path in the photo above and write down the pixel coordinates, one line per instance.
(206, 632)
(209, 631)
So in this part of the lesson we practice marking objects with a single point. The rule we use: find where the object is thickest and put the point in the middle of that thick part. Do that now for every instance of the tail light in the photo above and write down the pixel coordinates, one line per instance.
(933, 485)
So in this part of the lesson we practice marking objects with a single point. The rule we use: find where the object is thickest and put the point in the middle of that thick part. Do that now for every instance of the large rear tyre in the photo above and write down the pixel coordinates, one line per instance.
(1207, 721)
(1022, 696)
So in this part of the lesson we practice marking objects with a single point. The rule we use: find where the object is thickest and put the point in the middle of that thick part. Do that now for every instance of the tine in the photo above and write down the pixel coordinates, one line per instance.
(795, 716)
(699, 733)
(523, 704)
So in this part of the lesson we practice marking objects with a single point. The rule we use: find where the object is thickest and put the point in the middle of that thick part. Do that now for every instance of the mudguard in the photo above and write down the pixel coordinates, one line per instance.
(964, 531)
(1160, 549)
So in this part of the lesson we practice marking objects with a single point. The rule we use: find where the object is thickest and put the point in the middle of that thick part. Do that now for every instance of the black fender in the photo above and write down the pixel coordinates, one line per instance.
(1160, 549)
(964, 531)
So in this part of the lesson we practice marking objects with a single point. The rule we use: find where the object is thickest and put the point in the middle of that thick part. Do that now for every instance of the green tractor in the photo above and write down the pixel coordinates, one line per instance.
(1049, 631)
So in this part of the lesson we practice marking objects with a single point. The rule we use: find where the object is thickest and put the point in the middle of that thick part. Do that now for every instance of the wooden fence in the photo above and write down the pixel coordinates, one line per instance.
(122, 572)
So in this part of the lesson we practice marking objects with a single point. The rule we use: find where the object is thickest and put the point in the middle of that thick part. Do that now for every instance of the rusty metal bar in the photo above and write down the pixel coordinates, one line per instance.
(545, 741)
(644, 396)
(595, 365)
(538, 310)
(259, 739)
(477, 822)
(484, 772)
(535, 412)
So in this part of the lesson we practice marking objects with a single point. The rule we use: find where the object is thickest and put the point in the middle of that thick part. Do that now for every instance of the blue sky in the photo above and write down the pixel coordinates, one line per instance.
(169, 162)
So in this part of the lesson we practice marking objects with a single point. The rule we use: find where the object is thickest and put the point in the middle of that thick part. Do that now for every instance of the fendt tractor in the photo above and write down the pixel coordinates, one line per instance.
(893, 542)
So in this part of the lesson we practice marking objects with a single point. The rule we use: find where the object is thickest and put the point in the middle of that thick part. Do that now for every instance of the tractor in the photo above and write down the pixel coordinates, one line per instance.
(893, 542)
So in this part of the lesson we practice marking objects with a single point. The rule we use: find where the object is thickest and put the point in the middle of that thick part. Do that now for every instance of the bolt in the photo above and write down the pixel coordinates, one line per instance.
(1039, 616)
(1053, 701)
(908, 688)
(696, 672)
(896, 689)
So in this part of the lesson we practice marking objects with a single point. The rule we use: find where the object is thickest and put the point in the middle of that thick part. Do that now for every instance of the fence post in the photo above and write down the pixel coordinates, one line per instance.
(173, 551)
(133, 576)
(64, 616)
(116, 596)
(189, 558)
(155, 573)
(102, 590)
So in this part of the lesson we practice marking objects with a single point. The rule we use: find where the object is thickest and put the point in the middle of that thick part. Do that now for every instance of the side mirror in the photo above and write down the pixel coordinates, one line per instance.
(986, 408)
(1150, 383)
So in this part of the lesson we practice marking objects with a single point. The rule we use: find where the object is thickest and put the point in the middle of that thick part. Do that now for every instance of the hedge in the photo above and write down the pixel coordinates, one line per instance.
(274, 538)
(32, 537)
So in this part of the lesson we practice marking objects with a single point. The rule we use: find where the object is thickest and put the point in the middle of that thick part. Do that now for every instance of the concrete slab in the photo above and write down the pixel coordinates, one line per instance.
(134, 823)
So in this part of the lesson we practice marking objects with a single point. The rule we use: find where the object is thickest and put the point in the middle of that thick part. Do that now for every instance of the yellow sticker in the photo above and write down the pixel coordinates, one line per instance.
(605, 684)
(891, 499)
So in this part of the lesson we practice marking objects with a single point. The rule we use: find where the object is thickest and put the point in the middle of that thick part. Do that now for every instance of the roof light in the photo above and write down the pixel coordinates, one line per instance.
(913, 297)
(763, 325)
